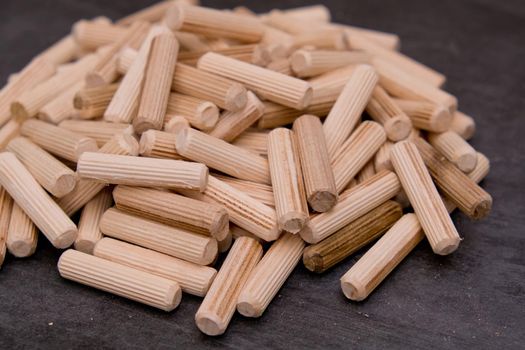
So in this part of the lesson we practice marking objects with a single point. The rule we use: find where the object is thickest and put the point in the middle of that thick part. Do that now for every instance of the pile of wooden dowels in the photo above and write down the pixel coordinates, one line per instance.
(182, 132)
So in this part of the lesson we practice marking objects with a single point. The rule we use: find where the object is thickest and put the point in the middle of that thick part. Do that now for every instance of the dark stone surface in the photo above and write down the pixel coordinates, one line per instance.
(473, 298)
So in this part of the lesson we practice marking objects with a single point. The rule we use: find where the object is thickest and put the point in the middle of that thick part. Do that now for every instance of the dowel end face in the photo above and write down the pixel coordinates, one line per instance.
(173, 297)
(146, 143)
(176, 124)
(467, 162)
(141, 125)
(220, 226)
(441, 119)
(398, 128)
(306, 99)
(248, 307)
(352, 290)
(483, 208)
(211, 251)
(85, 246)
(93, 79)
(86, 144)
(300, 61)
(19, 112)
(293, 221)
(308, 235)
(322, 201)
(174, 17)
(236, 97)
(129, 143)
(209, 114)
(313, 261)
(64, 184)
(22, 248)
(66, 238)
(209, 324)
(446, 246)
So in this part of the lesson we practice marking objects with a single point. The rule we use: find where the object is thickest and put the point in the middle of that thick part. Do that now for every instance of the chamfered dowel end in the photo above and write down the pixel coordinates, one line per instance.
(440, 119)
(173, 297)
(293, 221)
(313, 261)
(66, 238)
(483, 208)
(352, 290)
(236, 97)
(85, 245)
(220, 225)
(467, 162)
(446, 246)
(210, 252)
(22, 248)
(209, 323)
(209, 113)
(18, 111)
(398, 128)
(322, 201)
(307, 235)
(129, 143)
(248, 308)
(174, 16)
(65, 183)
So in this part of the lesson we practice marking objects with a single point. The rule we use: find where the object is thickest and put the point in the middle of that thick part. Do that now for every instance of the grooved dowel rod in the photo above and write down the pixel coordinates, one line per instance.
(386, 112)
(455, 149)
(307, 63)
(218, 306)
(426, 115)
(98, 130)
(9, 131)
(92, 102)
(22, 236)
(120, 280)
(6, 208)
(158, 144)
(253, 140)
(463, 125)
(201, 114)
(260, 192)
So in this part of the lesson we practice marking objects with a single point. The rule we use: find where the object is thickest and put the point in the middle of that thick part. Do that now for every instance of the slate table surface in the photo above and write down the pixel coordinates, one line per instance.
(472, 298)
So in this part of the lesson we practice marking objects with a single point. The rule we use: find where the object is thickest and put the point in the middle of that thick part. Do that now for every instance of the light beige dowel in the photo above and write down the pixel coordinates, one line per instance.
(311, 63)
(386, 112)
(218, 306)
(400, 84)
(321, 39)
(276, 115)
(157, 83)
(276, 87)
(58, 141)
(175, 124)
(222, 156)
(254, 140)
(382, 258)
(85, 190)
(352, 204)
(292, 25)
(367, 172)
(88, 226)
(150, 234)
(287, 180)
(424, 197)
(319, 180)
(407, 64)
(141, 171)
(470, 198)
(455, 149)
(237, 232)
(281, 65)
(193, 279)
(226, 243)
(269, 275)
(190, 42)
(328, 86)
(8, 132)
(243, 210)
(37, 71)
(123, 107)
(214, 23)
(158, 144)
(173, 209)
(245, 53)
(27, 104)
(61, 107)
(258, 191)
(348, 108)
(389, 41)
(382, 157)
(152, 14)
(316, 13)
(201, 114)
(463, 125)
(120, 280)
(92, 102)
(98, 130)
(356, 151)
(90, 35)
(35, 202)
(49, 172)
(22, 236)
(232, 124)
(425, 115)
(6, 208)
(63, 51)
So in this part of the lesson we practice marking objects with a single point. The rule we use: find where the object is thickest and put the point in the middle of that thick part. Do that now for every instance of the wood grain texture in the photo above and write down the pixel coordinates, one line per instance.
(99, 130)
(201, 114)
(92, 102)
(455, 149)
(463, 125)
(425, 115)
(386, 112)
(22, 235)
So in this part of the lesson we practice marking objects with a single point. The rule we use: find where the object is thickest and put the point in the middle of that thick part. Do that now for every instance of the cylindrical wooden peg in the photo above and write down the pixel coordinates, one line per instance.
(201, 114)
(455, 149)
(22, 236)
(311, 63)
(426, 115)
(92, 102)
(158, 144)
(463, 125)
(386, 112)
(98, 130)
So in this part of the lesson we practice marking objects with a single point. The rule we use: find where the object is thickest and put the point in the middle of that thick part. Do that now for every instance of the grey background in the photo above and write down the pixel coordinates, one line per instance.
(473, 298)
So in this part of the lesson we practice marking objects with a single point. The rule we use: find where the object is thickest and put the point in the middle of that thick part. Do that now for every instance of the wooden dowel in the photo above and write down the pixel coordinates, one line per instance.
(253, 140)
(386, 112)
(243, 210)
(226, 243)
(318, 176)
(276, 115)
(90, 35)
(322, 39)
(98, 130)
(35, 202)
(281, 65)
(123, 107)
(269, 275)
(222, 156)
(150, 234)
(190, 42)
(85, 190)
(218, 306)
(6, 208)
(49, 172)
(135, 171)
(201, 114)
(328, 86)
(425, 115)
(237, 232)
(232, 124)
(157, 83)
(120, 280)
(316, 13)
(37, 71)
(58, 141)
(347, 110)
(400, 84)
(276, 87)
(366, 172)
(158, 144)
(152, 14)
(8, 132)
(289, 24)
(382, 157)
(329, 252)
(469, 197)
(88, 227)
(424, 197)
(287, 180)
(213, 23)
(240, 52)
(92, 102)
(193, 279)
(386, 40)
(258, 191)
(463, 125)
(311, 63)
(173, 209)
(61, 107)
(352, 204)
(455, 149)
(22, 235)
(175, 124)
(63, 51)
(356, 151)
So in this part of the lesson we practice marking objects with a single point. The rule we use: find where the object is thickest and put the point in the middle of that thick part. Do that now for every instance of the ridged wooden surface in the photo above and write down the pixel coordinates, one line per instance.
(120, 280)
(258, 191)
(382, 157)
(425, 115)
(22, 235)
(92, 102)
(455, 149)
(99, 130)
(62, 51)
(347, 110)
(9, 131)
(93, 34)
(162, 238)
(6, 207)
(269, 275)
(201, 114)
(150, 14)
(35, 202)
(223, 156)
(61, 107)
(235, 51)
(254, 140)
(175, 124)
(424, 198)
(463, 125)
(218, 306)
(311, 63)
(158, 144)
(193, 279)
(88, 226)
